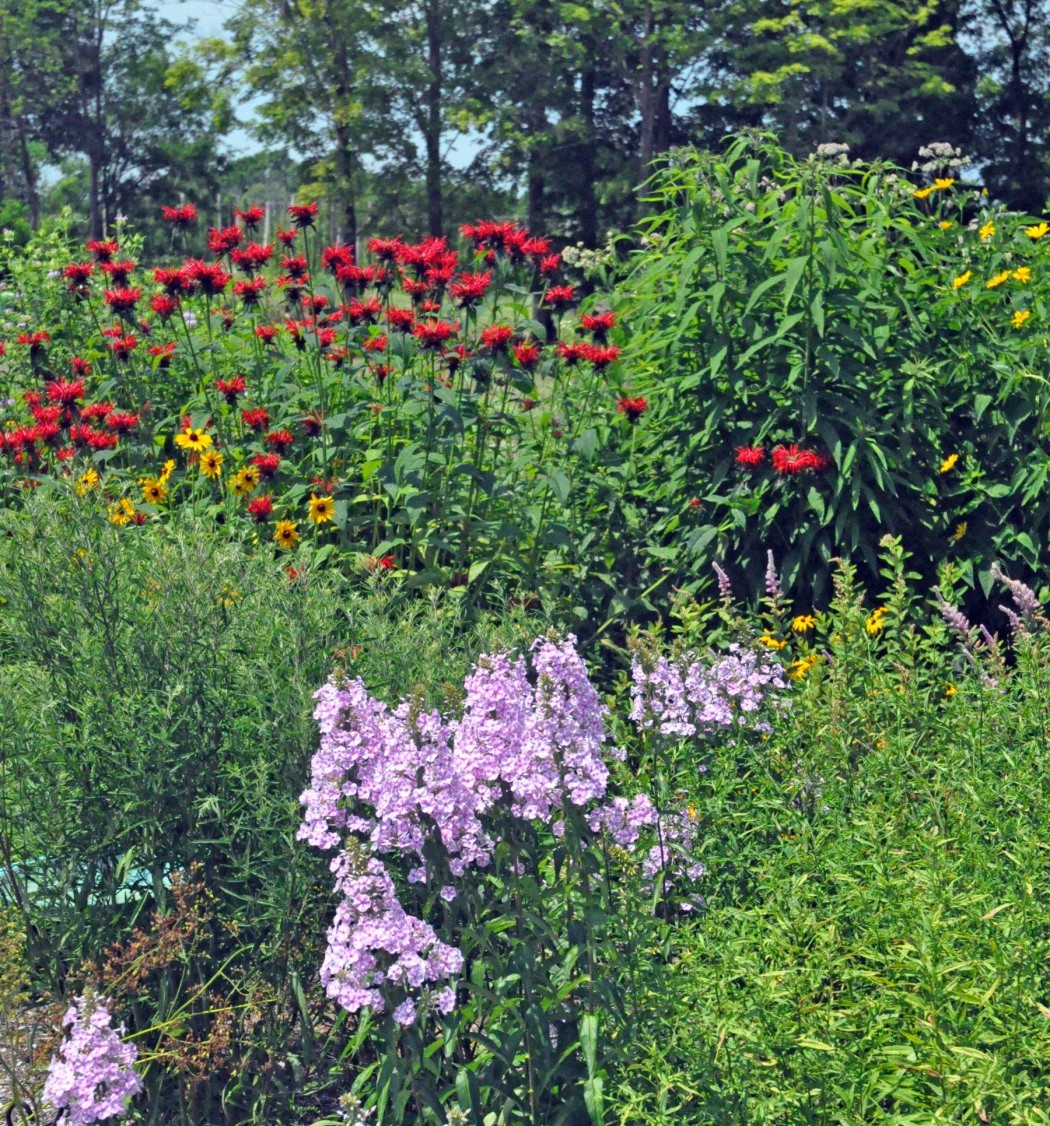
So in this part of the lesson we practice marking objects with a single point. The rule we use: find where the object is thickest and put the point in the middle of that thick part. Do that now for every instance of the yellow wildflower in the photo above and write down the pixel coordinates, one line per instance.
(946, 224)
(803, 623)
(874, 622)
(153, 490)
(950, 690)
(960, 530)
(962, 279)
(987, 231)
(1037, 231)
(194, 439)
(122, 512)
(771, 642)
(998, 280)
(286, 534)
(943, 183)
(243, 483)
(800, 667)
(922, 193)
(169, 469)
(1020, 317)
(1022, 274)
(211, 463)
(949, 463)
(321, 509)
(89, 479)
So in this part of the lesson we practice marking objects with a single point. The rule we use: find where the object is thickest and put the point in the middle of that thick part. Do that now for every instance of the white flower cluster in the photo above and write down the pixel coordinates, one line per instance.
(941, 157)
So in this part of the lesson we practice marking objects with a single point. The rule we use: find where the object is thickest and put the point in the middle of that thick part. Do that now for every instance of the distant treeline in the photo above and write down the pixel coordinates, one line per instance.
(416, 114)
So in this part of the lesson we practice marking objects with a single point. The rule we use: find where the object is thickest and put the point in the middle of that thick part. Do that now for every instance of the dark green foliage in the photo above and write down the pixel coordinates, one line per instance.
(819, 304)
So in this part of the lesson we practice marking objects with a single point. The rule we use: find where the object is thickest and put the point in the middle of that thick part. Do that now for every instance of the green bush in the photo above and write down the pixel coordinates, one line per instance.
(155, 734)
(875, 945)
(822, 305)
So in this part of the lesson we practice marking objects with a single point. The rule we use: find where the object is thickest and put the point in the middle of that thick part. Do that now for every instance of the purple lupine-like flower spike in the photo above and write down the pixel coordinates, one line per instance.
(956, 620)
(772, 578)
(725, 587)
(1025, 599)
(92, 1074)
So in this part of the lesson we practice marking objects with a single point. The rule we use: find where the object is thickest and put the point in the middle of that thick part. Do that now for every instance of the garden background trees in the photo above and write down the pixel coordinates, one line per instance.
(420, 114)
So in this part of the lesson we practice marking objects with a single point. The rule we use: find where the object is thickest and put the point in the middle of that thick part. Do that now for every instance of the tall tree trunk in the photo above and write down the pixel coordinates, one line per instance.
(96, 217)
(346, 229)
(588, 205)
(29, 174)
(435, 202)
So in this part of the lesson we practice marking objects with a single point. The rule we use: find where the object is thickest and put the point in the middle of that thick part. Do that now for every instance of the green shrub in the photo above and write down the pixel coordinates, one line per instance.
(874, 947)
(155, 734)
(817, 304)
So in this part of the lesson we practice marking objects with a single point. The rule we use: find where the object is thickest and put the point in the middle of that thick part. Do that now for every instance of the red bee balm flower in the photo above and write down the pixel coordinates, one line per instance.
(162, 353)
(181, 216)
(470, 289)
(400, 320)
(280, 440)
(432, 335)
(231, 388)
(252, 217)
(528, 355)
(750, 455)
(250, 292)
(303, 215)
(256, 418)
(267, 464)
(163, 305)
(253, 257)
(791, 460)
(77, 274)
(261, 509)
(65, 391)
(560, 296)
(496, 337)
(103, 251)
(118, 272)
(598, 323)
(122, 423)
(632, 408)
(221, 240)
(600, 355)
(122, 300)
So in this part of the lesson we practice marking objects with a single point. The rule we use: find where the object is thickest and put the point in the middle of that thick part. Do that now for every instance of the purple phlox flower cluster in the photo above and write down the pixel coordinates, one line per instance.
(673, 852)
(685, 698)
(92, 1074)
(622, 819)
(374, 942)
(395, 781)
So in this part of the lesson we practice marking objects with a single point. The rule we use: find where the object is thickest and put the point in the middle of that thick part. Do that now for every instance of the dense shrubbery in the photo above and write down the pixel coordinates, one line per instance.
(829, 359)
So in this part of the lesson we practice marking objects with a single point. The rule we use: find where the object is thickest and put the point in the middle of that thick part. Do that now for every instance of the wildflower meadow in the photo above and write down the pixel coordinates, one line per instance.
(484, 679)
